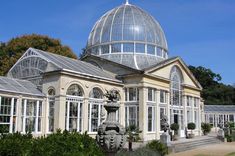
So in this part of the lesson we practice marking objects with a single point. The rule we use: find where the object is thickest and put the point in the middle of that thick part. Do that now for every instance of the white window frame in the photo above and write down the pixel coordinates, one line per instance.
(11, 115)
(153, 119)
(100, 104)
(24, 116)
(127, 94)
(153, 98)
(50, 99)
(127, 115)
(164, 93)
(79, 102)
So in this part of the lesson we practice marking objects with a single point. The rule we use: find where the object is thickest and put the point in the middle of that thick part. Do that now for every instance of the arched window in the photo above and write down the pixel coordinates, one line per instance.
(96, 93)
(74, 104)
(51, 92)
(74, 90)
(96, 113)
(51, 107)
(176, 80)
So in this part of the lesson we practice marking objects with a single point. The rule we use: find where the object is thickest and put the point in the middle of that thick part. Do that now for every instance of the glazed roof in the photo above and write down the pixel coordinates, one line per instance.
(219, 108)
(130, 36)
(19, 86)
(54, 62)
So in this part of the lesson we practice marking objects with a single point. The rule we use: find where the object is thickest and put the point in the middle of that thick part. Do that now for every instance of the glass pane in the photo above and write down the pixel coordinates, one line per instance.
(116, 48)
(139, 48)
(159, 52)
(104, 49)
(132, 94)
(151, 49)
(128, 47)
(150, 115)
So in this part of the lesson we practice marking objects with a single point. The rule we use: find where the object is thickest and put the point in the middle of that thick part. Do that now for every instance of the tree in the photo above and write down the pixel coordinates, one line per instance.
(214, 92)
(205, 76)
(11, 51)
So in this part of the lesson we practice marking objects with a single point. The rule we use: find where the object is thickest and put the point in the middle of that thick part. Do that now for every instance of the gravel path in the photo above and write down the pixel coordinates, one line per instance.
(210, 150)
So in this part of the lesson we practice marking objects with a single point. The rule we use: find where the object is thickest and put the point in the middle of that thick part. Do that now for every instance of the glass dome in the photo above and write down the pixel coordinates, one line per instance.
(129, 36)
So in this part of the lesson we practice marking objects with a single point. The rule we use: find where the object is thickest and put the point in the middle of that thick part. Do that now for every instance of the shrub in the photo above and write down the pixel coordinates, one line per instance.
(158, 147)
(175, 128)
(15, 144)
(132, 133)
(66, 143)
(191, 126)
(206, 128)
(229, 138)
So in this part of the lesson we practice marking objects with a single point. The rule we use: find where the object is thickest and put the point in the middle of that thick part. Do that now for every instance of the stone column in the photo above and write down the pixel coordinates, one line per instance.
(85, 115)
(193, 114)
(168, 107)
(157, 115)
(19, 114)
(199, 118)
(143, 112)
(60, 103)
(185, 110)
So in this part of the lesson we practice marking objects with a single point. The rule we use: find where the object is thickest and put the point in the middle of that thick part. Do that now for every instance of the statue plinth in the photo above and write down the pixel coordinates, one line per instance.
(111, 135)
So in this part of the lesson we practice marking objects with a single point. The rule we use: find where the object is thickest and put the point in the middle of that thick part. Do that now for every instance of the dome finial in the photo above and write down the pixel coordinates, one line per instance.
(127, 2)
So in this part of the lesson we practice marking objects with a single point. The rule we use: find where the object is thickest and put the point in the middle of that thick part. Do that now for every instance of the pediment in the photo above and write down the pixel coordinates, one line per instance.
(164, 70)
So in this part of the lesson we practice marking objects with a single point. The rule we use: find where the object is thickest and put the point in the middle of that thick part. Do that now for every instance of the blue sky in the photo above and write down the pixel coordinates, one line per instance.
(202, 32)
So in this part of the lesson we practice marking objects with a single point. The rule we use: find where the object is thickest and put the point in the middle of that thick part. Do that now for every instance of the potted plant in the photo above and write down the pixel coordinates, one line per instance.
(132, 135)
(206, 128)
(191, 126)
(175, 128)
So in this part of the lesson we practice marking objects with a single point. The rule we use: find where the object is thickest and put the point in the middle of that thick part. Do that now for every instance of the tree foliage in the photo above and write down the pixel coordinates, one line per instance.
(214, 92)
(11, 51)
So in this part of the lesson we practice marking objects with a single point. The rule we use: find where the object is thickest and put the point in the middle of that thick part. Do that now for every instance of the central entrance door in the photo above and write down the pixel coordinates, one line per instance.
(178, 118)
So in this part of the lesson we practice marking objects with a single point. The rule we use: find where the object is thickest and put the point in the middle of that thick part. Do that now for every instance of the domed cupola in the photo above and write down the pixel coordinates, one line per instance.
(129, 36)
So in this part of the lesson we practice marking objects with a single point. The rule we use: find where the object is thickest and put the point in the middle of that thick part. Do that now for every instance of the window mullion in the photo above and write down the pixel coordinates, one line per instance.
(78, 116)
(67, 118)
(99, 118)
(11, 118)
(128, 117)
(24, 115)
(90, 117)
(37, 113)
(0, 102)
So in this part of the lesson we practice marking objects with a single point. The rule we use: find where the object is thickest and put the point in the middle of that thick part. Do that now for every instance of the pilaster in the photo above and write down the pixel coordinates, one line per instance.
(143, 112)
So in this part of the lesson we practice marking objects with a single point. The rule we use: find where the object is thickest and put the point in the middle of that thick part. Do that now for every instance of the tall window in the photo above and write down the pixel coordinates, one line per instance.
(132, 107)
(132, 115)
(73, 111)
(162, 113)
(176, 80)
(151, 118)
(151, 95)
(8, 114)
(96, 114)
(51, 109)
(132, 94)
(162, 96)
(31, 116)
(196, 102)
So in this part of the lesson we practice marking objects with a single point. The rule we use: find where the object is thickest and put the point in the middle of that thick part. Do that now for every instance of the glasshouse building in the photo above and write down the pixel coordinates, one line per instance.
(126, 51)
(218, 115)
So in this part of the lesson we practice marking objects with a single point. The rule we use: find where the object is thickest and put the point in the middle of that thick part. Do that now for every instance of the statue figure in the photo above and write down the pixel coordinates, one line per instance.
(165, 137)
(164, 123)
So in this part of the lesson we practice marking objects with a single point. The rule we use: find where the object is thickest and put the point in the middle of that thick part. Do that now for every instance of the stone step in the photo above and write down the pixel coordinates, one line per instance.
(184, 146)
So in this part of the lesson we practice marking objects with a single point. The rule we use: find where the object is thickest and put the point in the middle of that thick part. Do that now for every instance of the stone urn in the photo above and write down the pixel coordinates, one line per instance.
(111, 135)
